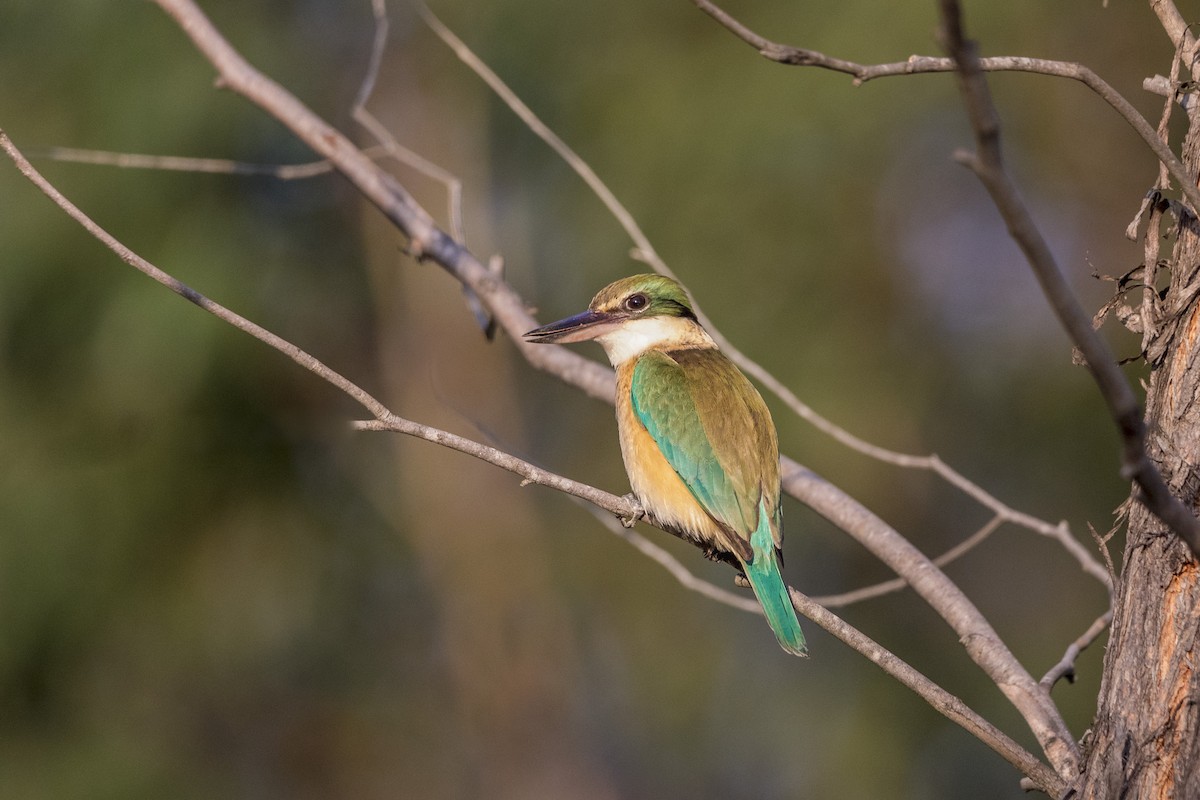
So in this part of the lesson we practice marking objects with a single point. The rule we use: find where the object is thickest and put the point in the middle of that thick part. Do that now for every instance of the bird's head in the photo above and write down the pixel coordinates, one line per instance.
(629, 317)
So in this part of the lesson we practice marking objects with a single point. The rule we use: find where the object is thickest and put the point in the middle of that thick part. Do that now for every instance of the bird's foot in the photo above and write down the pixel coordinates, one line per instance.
(740, 580)
(638, 512)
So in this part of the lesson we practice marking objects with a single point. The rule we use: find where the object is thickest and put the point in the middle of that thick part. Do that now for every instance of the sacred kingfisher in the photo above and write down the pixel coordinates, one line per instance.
(697, 439)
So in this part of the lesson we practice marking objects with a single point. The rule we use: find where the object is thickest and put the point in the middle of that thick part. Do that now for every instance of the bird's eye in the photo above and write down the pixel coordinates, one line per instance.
(636, 302)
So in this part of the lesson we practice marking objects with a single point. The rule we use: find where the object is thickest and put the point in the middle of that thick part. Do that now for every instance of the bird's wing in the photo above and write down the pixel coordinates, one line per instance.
(695, 404)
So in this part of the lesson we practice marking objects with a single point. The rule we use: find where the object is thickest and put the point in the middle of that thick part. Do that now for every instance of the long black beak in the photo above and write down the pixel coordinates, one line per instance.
(579, 328)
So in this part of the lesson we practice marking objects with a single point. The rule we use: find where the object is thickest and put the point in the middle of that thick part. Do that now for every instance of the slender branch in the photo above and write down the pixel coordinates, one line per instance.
(1065, 668)
(798, 56)
(896, 584)
(535, 124)
(377, 129)
(981, 641)
(530, 473)
(378, 46)
(222, 166)
(932, 463)
(131, 258)
(988, 165)
(454, 188)
(675, 567)
(938, 698)
(428, 241)
(951, 707)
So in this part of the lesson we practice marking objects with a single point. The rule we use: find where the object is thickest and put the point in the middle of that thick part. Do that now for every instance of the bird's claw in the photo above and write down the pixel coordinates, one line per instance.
(638, 513)
(741, 580)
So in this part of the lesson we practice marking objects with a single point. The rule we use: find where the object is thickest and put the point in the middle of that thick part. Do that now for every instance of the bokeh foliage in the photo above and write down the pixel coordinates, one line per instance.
(210, 587)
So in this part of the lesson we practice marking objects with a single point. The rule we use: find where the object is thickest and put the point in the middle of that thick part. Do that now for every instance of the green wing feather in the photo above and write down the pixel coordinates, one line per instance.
(714, 430)
(696, 404)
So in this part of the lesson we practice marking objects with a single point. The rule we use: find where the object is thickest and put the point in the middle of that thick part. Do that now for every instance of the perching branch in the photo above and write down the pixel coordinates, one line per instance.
(988, 164)
(798, 56)
(384, 419)
(427, 240)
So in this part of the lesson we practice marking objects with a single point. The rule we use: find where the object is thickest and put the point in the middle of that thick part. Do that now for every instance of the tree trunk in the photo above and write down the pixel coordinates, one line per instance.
(1145, 742)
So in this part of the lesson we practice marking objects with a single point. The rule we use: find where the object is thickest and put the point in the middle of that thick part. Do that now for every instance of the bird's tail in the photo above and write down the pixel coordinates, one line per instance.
(763, 574)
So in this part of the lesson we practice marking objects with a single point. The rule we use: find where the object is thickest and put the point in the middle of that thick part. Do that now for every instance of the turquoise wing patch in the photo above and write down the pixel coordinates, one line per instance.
(663, 402)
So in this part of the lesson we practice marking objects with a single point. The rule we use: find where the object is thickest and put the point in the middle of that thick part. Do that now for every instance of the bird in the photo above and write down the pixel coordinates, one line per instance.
(697, 439)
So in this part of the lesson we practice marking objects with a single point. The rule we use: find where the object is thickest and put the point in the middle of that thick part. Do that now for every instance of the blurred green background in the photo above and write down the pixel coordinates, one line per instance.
(211, 587)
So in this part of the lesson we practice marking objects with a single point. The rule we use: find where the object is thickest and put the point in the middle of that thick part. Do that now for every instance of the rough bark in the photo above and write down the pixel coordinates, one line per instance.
(1145, 742)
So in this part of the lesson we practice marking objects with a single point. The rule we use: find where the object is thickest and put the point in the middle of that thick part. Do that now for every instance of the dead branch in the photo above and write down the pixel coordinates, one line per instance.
(1065, 668)
(896, 584)
(914, 65)
(988, 164)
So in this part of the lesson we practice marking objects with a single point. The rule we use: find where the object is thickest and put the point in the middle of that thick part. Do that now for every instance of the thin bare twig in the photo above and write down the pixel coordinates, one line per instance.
(222, 166)
(798, 56)
(1102, 541)
(454, 187)
(418, 162)
(382, 135)
(1041, 776)
(671, 564)
(1065, 668)
(531, 120)
(987, 163)
(183, 290)
(896, 584)
(378, 46)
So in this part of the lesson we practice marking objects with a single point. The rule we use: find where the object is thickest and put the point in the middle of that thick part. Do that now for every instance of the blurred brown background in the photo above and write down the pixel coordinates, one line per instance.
(211, 587)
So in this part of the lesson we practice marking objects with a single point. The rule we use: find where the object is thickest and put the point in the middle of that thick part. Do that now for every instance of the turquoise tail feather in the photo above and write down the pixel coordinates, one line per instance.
(763, 574)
